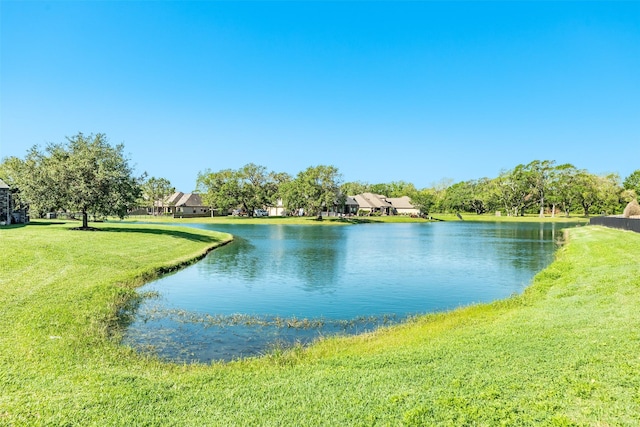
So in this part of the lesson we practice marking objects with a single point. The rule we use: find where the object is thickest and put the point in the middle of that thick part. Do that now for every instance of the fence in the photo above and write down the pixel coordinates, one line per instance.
(631, 224)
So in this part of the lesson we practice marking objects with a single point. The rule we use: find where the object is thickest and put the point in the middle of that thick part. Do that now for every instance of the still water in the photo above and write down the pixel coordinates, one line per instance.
(280, 284)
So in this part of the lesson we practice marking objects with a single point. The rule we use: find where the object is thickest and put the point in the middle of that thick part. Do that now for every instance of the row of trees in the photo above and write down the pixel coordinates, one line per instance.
(252, 187)
(88, 175)
(542, 186)
(310, 191)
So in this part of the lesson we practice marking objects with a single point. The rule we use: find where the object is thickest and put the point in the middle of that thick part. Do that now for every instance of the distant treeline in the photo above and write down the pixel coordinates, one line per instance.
(537, 187)
(88, 175)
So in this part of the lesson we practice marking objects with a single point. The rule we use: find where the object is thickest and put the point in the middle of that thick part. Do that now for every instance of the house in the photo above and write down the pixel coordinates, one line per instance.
(402, 206)
(10, 211)
(373, 203)
(347, 207)
(183, 205)
(277, 210)
(381, 205)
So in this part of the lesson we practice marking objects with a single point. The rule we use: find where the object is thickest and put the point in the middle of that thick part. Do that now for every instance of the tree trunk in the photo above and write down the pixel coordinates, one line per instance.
(542, 207)
(85, 220)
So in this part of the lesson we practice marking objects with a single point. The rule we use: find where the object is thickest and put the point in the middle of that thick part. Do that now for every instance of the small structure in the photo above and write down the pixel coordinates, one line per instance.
(277, 210)
(632, 210)
(11, 212)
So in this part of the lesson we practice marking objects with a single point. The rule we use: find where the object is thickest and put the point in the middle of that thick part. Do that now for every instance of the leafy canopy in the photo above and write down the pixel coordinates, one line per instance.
(86, 174)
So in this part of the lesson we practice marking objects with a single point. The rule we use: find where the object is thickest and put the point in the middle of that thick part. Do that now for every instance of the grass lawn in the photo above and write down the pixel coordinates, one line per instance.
(564, 353)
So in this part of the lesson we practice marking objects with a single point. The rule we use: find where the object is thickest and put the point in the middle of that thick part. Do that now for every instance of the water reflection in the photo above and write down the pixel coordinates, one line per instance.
(336, 279)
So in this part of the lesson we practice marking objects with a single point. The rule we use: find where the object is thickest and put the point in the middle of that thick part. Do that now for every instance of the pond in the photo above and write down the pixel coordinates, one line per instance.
(281, 284)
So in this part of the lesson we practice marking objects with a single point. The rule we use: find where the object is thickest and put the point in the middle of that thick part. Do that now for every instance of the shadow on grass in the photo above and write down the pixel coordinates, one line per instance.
(30, 224)
(194, 237)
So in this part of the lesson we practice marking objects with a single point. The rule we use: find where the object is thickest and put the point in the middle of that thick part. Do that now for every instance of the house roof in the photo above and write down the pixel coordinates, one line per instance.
(181, 199)
(350, 201)
(174, 198)
(371, 201)
(3, 184)
(403, 202)
(190, 199)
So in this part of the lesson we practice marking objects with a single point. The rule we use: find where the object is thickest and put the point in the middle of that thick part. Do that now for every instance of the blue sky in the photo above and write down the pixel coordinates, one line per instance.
(385, 91)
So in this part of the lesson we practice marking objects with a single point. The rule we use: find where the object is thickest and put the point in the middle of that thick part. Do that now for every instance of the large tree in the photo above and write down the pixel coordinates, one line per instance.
(155, 190)
(563, 189)
(586, 188)
(86, 174)
(513, 190)
(539, 175)
(249, 187)
(313, 188)
(424, 200)
(353, 188)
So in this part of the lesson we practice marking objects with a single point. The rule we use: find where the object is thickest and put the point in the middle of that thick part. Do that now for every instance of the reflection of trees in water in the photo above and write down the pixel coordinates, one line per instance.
(312, 254)
(317, 268)
(318, 257)
(238, 258)
(527, 246)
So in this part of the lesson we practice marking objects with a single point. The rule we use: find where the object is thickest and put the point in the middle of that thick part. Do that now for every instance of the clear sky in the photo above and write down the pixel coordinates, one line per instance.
(385, 91)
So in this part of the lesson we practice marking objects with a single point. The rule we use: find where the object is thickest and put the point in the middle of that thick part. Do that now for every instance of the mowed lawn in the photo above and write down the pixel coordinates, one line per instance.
(566, 352)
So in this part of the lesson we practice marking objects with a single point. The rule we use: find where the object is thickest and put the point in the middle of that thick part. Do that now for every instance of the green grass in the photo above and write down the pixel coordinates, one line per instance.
(504, 218)
(564, 353)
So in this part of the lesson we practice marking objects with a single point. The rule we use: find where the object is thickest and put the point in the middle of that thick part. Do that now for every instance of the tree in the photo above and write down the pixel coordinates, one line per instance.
(219, 190)
(156, 189)
(393, 189)
(512, 190)
(257, 187)
(86, 174)
(313, 188)
(586, 187)
(250, 187)
(539, 175)
(609, 195)
(563, 188)
(456, 198)
(353, 188)
(632, 182)
(424, 200)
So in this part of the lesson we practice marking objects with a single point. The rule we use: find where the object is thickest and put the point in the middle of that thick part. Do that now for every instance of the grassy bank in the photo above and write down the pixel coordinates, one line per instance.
(353, 220)
(564, 353)
(527, 218)
(275, 220)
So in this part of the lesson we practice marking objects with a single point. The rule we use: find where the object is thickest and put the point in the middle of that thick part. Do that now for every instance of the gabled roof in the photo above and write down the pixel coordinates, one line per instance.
(371, 201)
(350, 201)
(190, 199)
(3, 184)
(403, 202)
(174, 198)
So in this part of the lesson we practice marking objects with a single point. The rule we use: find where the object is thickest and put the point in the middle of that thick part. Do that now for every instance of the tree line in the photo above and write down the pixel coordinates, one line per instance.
(540, 186)
(88, 175)
(543, 187)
